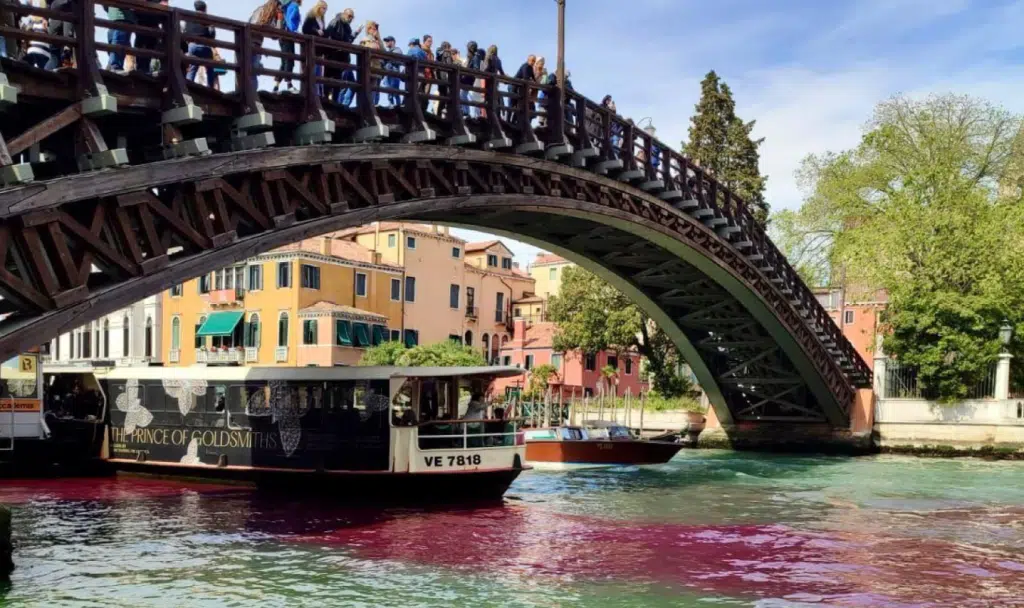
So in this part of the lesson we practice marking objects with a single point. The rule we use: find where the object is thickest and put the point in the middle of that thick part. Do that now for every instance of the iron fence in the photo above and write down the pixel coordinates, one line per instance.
(901, 382)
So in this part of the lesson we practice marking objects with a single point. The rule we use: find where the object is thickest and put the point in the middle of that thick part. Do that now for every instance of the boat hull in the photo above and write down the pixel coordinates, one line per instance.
(596, 452)
(350, 487)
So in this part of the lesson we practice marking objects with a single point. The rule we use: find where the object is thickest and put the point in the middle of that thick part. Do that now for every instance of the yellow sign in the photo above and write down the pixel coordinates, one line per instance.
(27, 364)
(19, 405)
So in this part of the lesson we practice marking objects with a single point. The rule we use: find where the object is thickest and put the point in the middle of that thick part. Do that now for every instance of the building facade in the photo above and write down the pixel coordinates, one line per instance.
(547, 270)
(130, 336)
(857, 314)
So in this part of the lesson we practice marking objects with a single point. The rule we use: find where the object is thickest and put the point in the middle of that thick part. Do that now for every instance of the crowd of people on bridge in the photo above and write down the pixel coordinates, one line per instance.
(291, 17)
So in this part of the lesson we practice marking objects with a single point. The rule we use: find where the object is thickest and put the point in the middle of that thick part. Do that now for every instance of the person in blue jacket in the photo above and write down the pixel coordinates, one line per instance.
(292, 23)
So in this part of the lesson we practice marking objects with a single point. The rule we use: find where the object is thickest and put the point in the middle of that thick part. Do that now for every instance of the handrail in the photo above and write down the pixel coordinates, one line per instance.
(512, 108)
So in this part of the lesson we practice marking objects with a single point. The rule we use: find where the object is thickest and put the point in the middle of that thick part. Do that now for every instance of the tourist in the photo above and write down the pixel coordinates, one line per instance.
(445, 57)
(340, 30)
(8, 48)
(292, 22)
(468, 80)
(492, 65)
(525, 72)
(148, 42)
(117, 37)
(201, 51)
(427, 74)
(60, 55)
(38, 52)
(372, 41)
(392, 81)
(481, 83)
(541, 76)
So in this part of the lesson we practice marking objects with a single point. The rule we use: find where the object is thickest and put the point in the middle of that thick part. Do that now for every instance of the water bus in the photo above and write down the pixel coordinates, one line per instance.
(355, 433)
(596, 443)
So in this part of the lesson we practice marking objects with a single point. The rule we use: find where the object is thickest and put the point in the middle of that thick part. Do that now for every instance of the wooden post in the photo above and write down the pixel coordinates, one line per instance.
(6, 547)
(643, 406)
(561, 48)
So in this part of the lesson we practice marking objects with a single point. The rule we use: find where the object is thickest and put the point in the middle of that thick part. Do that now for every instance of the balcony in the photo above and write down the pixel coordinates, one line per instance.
(226, 297)
(174, 356)
(281, 354)
(252, 355)
(472, 312)
(219, 356)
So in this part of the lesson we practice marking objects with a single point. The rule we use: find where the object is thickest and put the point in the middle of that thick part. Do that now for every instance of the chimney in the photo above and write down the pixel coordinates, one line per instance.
(519, 333)
(325, 245)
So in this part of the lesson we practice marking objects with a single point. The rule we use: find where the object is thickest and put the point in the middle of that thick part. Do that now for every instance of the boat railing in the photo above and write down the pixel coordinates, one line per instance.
(469, 434)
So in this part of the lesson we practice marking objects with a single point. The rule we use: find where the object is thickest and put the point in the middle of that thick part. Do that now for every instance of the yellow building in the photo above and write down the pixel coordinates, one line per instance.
(318, 302)
(547, 270)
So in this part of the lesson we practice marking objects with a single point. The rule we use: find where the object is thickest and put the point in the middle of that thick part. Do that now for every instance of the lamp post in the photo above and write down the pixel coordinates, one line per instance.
(650, 128)
(1002, 387)
(1005, 335)
(561, 46)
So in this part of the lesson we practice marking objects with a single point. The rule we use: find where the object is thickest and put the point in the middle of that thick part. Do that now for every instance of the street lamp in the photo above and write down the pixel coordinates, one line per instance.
(1005, 334)
(561, 46)
(650, 129)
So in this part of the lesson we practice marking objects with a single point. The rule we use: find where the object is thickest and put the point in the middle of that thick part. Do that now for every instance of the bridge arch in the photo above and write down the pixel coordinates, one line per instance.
(749, 348)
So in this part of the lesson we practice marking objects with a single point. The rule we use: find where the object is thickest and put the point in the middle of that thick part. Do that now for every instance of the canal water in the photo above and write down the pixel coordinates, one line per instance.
(708, 529)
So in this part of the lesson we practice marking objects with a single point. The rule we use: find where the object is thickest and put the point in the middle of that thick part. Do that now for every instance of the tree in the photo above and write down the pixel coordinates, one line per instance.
(721, 143)
(929, 208)
(540, 376)
(441, 354)
(592, 316)
(610, 375)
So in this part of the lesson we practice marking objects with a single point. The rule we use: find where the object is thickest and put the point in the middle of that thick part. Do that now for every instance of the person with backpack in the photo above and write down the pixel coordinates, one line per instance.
(292, 22)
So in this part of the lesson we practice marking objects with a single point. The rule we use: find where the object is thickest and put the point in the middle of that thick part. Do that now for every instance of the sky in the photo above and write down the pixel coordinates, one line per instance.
(808, 71)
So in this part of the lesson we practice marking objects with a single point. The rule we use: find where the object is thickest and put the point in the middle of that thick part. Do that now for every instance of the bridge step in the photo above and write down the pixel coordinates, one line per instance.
(530, 147)
(671, 195)
(755, 257)
(727, 231)
(743, 245)
(8, 94)
(715, 222)
(315, 132)
(103, 160)
(557, 151)
(184, 149)
(12, 175)
(185, 115)
(500, 143)
(372, 133)
(702, 213)
(461, 140)
(630, 176)
(609, 165)
(417, 137)
(686, 205)
(101, 105)
(653, 185)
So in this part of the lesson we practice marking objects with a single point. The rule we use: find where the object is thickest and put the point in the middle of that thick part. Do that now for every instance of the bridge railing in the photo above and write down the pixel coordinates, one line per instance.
(471, 105)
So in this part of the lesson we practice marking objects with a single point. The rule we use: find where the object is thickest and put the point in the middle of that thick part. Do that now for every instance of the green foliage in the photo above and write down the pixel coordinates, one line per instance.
(440, 354)
(929, 208)
(720, 141)
(540, 376)
(652, 403)
(593, 316)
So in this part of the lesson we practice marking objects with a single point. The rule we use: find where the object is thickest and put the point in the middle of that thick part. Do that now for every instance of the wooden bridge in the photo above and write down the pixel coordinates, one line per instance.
(118, 185)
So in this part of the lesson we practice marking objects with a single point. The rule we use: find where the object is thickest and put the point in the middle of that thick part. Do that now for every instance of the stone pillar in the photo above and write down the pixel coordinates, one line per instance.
(1003, 377)
(879, 369)
(6, 548)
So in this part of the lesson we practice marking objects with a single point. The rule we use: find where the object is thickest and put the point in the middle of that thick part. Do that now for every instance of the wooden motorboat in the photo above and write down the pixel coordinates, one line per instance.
(595, 444)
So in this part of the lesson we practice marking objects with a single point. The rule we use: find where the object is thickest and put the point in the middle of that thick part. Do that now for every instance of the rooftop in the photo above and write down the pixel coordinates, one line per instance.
(480, 246)
(324, 307)
(424, 229)
(546, 259)
(537, 335)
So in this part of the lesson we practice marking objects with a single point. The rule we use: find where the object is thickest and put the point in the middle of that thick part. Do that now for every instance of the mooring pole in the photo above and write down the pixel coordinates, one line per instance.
(6, 546)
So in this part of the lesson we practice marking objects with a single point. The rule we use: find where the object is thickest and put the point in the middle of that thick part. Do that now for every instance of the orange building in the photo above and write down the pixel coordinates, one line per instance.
(318, 302)
(857, 313)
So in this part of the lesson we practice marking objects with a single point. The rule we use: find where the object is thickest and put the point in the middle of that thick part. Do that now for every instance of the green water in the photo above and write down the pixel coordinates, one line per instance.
(708, 529)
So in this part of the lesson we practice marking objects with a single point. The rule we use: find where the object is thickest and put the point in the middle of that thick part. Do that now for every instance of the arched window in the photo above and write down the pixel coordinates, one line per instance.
(56, 349)
(495, 347)
(200, 342)
(282, 330)
(86, 342)
(106, 338)
(176, 333)
(98, 340)
(71, 349)
(487, 346)
(149, 337)
(126, 338)
(252, 332)
(469, 338)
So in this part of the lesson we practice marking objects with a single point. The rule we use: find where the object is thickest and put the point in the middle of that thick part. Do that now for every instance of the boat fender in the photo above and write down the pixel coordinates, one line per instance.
(222, 460)
(517, 462)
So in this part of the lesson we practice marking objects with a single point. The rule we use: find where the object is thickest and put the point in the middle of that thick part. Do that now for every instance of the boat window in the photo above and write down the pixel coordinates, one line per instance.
(619, 432)
(571, 434)
(257, 405)
(403, 412)
(435, 401)
(67, 396)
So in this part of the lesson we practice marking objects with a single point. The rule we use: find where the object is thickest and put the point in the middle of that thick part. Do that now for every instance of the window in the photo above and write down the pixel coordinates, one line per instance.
(506, 263)
(310, 277)
(149, 337)
(453, 296)
(396, 335)
(176, 290)
(412, 337)
(487, 346)
(309, 333)
(176, 333)
(589, 362)
(410, 242)
(218, 280)
(455, 338)
(252, 331)
(125, 338)
(518, 312)
(342, 333)
(629, 366)
(456, 253)
(85, 340)
(255, 278)
(553, 274)
(613, 362)
(492, 261)
(361, 335)
(380, 335)
(204, 284)
(239, 277)
(56, 349)
(529, 361)
(499, 308)
(556, 361)
(284, 275)
(470, 298)
(200, 342)
(71, 337)
(282, 330)
(468, 341)
(392, 241)
(396, 290)
(847, 317)
(360, 285)
(410, 289)
(506, 361)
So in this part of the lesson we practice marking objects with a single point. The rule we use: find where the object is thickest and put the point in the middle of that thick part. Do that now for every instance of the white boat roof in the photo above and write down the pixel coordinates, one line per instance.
(316, 374)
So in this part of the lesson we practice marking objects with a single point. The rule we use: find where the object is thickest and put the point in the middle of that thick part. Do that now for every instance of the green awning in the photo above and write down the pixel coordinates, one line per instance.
(412, 338)
(220, 324)
(380, 334)
(343, 329)
(362, 333)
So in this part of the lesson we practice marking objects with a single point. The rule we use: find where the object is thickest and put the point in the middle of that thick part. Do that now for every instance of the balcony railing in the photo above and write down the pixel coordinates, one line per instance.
(281, 354)
(231, 355)
(174, 356)
(472, 312)
(221, 297)
(252, 354)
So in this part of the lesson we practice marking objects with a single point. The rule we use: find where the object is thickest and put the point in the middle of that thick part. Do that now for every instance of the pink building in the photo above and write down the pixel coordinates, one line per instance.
(532, 345)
